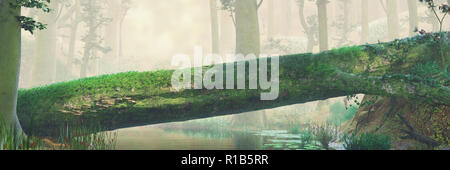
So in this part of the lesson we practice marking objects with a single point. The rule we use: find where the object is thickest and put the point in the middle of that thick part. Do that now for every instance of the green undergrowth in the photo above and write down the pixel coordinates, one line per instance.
(70, 138)
(367, 141)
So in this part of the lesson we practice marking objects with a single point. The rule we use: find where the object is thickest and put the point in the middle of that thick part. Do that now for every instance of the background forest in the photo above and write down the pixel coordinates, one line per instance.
(85, 38)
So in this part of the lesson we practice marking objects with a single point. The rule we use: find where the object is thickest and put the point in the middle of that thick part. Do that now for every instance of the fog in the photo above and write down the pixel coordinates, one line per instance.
(144, 35)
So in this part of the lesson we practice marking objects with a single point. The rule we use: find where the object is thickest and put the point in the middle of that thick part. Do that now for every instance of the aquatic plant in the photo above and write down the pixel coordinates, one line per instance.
(325, 133)
(11, 139)
(367, 141)
(86, 138)
(71, 138)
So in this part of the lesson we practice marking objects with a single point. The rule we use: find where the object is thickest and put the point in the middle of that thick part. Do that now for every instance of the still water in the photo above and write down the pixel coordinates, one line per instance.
(154, 138)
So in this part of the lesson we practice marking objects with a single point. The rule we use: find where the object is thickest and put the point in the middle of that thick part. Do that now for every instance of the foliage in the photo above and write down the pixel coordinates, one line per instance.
(28, 23)
(307, 138)
(340, 114)
(367, 141)
(94, 19)
(284, 45)
(74, 138)
(86, 138)
(325, 133)
(11, 139)
(443, 8)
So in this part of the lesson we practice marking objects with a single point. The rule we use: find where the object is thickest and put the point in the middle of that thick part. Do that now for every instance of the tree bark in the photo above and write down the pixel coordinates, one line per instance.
(323, 24)
(413, 16)
(9, 63)
(134, 99)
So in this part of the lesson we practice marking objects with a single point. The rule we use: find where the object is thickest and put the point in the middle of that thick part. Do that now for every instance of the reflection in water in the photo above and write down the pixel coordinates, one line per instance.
(154, 138)
(151, 138)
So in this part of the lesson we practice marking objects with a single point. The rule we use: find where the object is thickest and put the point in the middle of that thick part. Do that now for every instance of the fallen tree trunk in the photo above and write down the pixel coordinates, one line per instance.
(134, 99)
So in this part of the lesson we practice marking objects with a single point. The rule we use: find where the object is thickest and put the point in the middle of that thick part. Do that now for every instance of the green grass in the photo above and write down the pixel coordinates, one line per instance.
(367, 141)
(71, 138)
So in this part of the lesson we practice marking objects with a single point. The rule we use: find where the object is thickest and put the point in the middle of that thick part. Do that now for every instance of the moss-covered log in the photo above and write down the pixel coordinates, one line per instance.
(133, 99)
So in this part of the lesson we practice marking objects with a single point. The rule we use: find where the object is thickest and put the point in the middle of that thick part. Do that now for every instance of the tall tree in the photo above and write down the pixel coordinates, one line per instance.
(309, 26)
(248, 42)
(9, 62)
(323, 24)
(44, 61)
(109, 61)
(392, 19)
(413, 16)
(247, 27)
(10, 38)
(94, 20)
(214, 26)
(76, 19)
(364, 21)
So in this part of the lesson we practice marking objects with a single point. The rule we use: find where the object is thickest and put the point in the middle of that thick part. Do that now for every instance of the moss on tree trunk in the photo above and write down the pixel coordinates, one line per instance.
(133, 99)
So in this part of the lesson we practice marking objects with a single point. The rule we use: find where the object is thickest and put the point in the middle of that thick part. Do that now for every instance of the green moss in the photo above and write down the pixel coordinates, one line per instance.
(140, 98)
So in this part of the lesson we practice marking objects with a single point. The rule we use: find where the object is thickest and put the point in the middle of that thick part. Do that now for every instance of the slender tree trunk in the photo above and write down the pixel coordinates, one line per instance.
(392, 19)
(364, 21)
(73, 38)
(214, 27)
(306, 29)
(247, 28)
(9, 63)
(413, 16)
(44, 61)
(323, 24)
(109, 61)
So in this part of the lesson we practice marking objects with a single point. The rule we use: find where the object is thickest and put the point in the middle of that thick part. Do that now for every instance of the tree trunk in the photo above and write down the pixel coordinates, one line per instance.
(247, 42)
(247, 28)
(134, 99)
(110, 60)
(9, 63)
(306, 28)
(323, 24)
(44, 61)
(214, 27)
(73, 37)
(413, 16)
(364, 21)
(392, 19)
